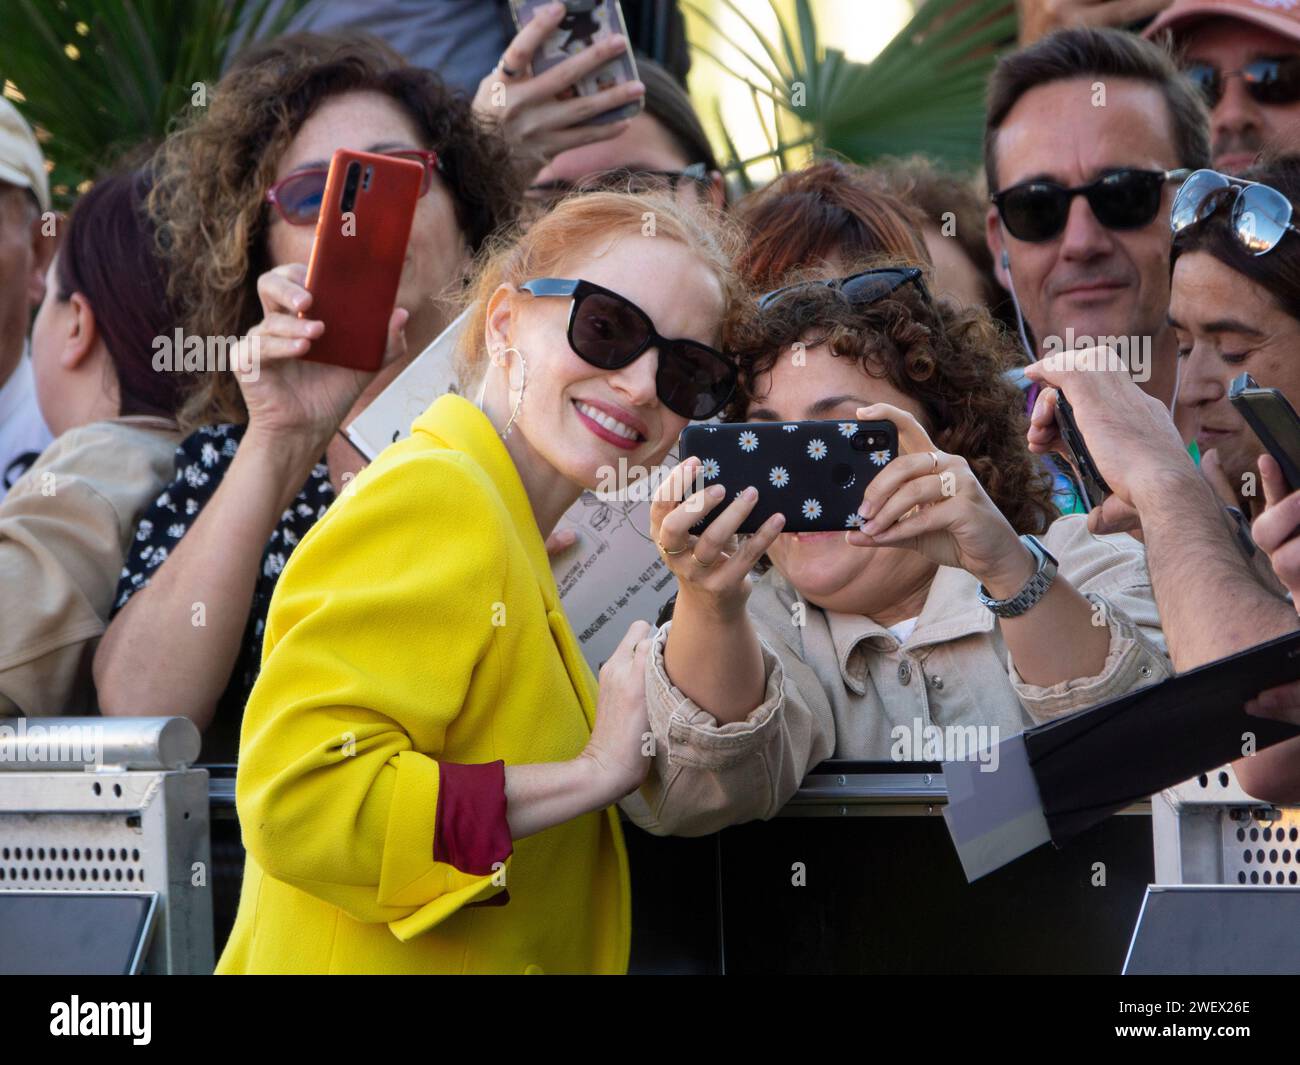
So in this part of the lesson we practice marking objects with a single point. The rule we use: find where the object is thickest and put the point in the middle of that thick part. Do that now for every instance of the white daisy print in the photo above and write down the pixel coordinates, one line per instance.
(748, 441)
(881, 457)
(854, 521)
(208, 455)
(176, 530)
(848, 428)
(709, 469)
(790, 428)
(780, 476)
(816, 449)
(812, 509)
(143, 530)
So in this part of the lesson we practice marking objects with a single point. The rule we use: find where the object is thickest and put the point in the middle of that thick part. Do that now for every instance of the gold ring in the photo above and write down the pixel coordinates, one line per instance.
(934, 461)
(665, 552)
(703, 565)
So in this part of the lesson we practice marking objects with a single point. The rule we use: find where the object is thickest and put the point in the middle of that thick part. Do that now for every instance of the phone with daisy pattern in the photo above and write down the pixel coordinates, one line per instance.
(812, 472)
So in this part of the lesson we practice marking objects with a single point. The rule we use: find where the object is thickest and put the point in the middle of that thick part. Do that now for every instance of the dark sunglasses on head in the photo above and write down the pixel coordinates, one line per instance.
(865, 287)
(622, 179)
(1268, 80)
(1260, 217)
(1036, 211)
(610, 332)
(298, 197)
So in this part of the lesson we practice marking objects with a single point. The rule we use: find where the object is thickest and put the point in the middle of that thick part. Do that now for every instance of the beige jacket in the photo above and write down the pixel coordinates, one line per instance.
(842, 685)
(64, 527)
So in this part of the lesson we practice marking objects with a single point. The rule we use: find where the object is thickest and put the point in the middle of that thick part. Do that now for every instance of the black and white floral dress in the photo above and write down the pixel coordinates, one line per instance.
(202, 460)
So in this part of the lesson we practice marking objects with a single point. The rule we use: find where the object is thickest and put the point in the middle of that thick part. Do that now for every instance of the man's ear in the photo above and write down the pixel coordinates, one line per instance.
(82, 334)
(996, 241)
(498, 326)
(43, 249)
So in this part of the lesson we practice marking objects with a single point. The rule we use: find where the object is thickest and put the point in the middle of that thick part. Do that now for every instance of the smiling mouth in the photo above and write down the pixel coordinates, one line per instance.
(622, 433)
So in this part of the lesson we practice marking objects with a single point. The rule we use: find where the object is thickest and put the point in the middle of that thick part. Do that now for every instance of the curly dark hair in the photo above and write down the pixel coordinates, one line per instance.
(211, 177)
(951, 360)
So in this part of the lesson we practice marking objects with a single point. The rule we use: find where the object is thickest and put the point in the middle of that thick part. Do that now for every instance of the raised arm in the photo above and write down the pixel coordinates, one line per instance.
(156, 658)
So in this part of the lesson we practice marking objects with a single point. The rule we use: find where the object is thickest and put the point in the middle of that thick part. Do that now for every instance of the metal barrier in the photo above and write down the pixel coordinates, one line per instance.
(111, 805)
(1227, 868)
(1208, 831)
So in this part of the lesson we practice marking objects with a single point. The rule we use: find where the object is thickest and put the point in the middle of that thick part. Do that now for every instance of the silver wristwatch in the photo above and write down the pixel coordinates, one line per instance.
(1033, 591)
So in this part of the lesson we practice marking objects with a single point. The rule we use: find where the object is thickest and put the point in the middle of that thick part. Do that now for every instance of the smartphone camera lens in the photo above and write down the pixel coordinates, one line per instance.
(350, 181)
(862, 441)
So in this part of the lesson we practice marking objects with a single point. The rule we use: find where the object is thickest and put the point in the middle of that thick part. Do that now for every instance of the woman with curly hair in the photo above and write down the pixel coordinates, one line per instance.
(931, 612)
(235, 200)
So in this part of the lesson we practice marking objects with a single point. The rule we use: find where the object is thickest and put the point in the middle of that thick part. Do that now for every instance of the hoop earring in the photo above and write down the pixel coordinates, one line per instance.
(523, 383)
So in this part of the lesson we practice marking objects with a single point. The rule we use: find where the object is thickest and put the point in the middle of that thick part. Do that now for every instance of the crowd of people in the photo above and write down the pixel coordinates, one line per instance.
(429, 773)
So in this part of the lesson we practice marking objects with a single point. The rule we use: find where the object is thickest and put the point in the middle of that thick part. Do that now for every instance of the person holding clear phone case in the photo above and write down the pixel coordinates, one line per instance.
(935, 607)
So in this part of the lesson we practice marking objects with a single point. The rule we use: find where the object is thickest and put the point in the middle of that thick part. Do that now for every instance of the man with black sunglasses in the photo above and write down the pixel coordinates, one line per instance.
(1088, 134)
(1244, 56)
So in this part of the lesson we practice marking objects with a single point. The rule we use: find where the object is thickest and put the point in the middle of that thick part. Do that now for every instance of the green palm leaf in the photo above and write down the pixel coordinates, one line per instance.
(101, 78)
(924, 92)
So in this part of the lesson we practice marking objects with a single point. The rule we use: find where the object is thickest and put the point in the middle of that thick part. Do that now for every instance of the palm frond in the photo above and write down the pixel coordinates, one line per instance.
(924, 92)
(101, 78)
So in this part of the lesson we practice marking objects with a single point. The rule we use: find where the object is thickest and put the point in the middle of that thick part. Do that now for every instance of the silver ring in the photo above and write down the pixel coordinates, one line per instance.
(934, 461)
(506, 72)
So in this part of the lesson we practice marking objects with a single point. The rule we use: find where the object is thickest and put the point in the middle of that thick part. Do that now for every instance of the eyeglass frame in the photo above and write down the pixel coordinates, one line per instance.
(1181, 173)
(429, 159)
(1222, 77)
(577, 290)
(1241, 185)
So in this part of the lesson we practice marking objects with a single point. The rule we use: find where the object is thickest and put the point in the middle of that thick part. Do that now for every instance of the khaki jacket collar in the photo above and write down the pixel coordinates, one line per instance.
(951, 612)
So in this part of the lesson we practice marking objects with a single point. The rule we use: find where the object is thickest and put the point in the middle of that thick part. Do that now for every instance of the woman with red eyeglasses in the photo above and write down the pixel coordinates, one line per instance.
(235, 199)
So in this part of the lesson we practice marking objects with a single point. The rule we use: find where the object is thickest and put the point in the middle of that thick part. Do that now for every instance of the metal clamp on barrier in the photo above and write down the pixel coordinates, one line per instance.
(104, 855)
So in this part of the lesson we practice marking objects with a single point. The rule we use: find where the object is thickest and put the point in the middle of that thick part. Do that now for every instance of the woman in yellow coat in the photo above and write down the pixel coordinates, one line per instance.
(426, 767)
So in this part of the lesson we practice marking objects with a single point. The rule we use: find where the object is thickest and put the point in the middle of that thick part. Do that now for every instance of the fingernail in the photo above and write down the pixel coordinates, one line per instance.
(635, 88)
(716, 491)
(749, 493)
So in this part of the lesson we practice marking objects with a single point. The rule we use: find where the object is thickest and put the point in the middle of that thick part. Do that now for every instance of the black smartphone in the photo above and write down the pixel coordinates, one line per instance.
(1272, 418)
(1091, 481)
(812, 472)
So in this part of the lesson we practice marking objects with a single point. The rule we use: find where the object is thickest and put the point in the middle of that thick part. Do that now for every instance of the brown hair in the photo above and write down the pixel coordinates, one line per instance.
(933, 194)
(950, 360)
(108, 256)
(1097, 53)
(1277, 272)
(828, 210)
(576, 224)
(669, 104)
(212, 175)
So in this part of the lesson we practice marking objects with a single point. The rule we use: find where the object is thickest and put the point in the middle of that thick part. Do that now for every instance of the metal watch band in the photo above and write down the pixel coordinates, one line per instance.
(1034, 589)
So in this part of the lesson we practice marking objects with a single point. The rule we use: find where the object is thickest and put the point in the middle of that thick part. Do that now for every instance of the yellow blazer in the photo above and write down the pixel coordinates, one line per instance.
(418, 620)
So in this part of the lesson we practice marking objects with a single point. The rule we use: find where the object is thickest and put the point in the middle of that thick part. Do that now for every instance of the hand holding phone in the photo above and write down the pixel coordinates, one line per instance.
(1273, 420)
(813, 472)
(586, 28)
(358, 255)
(1094, 485)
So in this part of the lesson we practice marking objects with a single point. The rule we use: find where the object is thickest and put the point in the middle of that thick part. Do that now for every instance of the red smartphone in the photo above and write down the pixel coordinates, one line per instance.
(357, 258)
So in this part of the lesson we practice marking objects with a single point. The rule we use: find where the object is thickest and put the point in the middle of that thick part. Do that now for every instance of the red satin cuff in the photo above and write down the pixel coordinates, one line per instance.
(471, 832)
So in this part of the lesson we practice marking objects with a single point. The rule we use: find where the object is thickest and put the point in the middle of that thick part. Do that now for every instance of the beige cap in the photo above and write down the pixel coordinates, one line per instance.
(1280, 16)
(21, 161)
